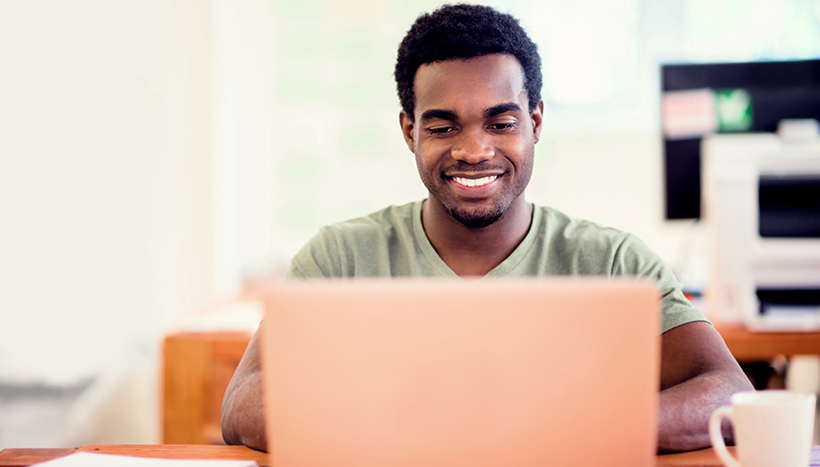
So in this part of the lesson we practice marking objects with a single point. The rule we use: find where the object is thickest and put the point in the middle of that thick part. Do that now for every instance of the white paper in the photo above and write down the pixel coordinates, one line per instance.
(92, 459)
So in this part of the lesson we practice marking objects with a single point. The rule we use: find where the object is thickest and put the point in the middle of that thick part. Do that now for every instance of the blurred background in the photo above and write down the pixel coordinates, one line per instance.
(156, 156)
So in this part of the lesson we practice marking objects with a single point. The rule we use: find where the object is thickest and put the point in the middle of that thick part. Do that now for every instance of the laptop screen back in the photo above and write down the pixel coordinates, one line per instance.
(559, 372)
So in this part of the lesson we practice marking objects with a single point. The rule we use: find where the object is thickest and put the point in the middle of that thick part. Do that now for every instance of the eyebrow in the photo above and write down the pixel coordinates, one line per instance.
(450, 115)
(438, 113)
(501, 108)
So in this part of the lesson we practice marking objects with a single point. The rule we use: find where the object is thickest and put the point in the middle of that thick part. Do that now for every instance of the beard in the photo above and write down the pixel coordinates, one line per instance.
(477, 219)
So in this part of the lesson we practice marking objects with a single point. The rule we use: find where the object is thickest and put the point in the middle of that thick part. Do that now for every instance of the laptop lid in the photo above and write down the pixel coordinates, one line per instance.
(556, 372)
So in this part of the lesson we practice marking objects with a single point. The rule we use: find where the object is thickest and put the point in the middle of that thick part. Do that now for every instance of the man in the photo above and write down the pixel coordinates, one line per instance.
(469, 81)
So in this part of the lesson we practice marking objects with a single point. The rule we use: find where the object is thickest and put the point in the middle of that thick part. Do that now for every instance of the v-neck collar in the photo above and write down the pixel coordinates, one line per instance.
(506, 266)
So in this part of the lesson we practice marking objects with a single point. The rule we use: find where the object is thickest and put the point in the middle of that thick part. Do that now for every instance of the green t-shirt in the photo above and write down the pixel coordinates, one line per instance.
(392, 243)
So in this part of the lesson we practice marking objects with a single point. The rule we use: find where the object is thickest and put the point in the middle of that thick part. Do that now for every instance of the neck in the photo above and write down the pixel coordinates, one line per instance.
(475, 251)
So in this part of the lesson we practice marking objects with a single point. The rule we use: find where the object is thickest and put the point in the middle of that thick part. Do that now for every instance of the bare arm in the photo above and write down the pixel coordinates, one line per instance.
(243, 419)
(698, 374)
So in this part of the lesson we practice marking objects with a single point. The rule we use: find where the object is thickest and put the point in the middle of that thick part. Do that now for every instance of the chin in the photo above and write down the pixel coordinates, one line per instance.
(476, 219)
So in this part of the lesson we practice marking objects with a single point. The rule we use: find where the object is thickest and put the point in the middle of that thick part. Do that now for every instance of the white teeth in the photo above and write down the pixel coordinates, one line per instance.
(474, 181)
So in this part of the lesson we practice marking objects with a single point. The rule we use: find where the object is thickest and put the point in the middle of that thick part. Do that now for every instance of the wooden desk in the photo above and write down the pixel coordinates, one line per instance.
(748, 346)
(25, 457)
(199, 366)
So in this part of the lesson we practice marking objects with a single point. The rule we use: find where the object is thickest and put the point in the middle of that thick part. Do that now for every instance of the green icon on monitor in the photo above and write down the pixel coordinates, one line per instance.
(734, 110)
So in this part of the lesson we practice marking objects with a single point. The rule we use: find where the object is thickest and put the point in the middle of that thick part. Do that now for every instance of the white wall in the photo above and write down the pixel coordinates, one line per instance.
(242, 65)
(105, 179)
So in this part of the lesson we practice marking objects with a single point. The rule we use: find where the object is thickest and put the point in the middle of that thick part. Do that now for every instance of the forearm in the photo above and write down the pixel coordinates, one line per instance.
(683, 415)
(243, 417)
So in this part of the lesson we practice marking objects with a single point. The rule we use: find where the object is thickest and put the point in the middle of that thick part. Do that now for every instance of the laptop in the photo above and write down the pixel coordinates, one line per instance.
(559, 372)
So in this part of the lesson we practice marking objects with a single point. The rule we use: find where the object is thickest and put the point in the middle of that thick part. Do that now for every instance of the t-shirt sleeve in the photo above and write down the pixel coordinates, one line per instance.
(317, 259)
(634, 258)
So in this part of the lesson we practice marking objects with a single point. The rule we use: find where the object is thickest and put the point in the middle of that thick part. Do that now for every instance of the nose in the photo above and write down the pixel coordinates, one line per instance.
(472, 146)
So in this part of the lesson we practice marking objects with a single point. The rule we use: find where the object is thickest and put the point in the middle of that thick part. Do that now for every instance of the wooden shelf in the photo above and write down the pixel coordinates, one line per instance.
(197, 368)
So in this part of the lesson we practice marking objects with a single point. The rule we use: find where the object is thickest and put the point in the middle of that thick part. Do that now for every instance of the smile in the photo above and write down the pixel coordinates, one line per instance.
(474, 181)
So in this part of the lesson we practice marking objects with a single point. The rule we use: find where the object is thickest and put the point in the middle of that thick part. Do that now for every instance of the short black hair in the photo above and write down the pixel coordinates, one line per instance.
(461, 32)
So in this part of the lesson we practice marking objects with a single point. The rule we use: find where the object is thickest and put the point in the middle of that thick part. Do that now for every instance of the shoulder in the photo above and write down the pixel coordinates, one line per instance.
(614, 251)
(384, 222)
(338, 247)
(563, 227)
(578, 246)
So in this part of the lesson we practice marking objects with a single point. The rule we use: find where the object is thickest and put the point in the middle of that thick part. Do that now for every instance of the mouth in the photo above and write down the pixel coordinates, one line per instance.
(474, 182)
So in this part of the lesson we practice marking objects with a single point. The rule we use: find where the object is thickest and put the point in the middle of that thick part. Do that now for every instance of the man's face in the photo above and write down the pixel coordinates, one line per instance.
(473, 135)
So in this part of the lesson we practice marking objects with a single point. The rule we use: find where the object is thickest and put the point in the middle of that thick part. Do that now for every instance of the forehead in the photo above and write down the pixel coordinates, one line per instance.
(476, 83)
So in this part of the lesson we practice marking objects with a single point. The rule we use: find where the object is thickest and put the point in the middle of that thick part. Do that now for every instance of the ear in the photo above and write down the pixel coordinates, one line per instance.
(408, 126)
(537, 117)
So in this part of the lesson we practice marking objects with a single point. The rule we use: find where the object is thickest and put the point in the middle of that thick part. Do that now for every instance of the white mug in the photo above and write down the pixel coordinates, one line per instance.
(772, 429)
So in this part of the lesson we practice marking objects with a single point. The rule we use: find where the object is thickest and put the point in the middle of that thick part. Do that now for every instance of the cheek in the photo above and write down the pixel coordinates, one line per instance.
(425, 156)
(525, 152)
(527, 163)
(422, 164)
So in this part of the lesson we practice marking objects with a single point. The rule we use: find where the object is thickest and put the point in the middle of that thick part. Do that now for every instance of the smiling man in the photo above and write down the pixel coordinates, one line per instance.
(469, 81)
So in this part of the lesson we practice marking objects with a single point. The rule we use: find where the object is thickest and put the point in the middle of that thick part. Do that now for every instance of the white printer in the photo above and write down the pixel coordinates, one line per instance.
(762, 205)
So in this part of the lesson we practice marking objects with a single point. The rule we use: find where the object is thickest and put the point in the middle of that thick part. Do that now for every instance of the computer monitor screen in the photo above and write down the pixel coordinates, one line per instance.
(789, 206)
(699, 99)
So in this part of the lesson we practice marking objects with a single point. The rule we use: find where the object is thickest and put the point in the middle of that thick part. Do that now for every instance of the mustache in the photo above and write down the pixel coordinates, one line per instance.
(483, 166)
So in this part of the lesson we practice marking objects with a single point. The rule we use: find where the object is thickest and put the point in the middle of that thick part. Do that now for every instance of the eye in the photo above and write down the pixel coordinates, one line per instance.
(508, 126)
(441, 130)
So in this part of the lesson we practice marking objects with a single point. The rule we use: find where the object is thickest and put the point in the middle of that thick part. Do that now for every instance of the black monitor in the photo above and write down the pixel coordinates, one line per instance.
(775, 90)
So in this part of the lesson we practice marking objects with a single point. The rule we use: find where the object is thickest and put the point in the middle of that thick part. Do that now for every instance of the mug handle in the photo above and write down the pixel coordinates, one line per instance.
(717, 435)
